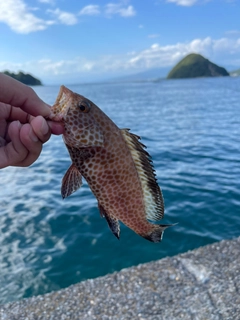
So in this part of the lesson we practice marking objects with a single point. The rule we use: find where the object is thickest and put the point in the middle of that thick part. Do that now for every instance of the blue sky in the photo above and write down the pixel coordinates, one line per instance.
(69, 41)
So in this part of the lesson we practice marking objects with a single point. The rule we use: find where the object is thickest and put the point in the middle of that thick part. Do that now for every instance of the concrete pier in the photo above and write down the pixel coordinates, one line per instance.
(202, 284)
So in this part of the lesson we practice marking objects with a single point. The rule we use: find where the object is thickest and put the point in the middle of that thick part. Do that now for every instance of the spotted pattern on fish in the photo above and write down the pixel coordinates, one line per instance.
(114, 163)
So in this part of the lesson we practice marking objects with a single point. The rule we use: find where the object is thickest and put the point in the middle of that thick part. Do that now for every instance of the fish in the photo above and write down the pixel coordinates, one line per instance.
(115, 164)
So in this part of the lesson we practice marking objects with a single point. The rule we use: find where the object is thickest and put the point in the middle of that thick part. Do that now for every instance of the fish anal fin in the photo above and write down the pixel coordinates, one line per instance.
(71, 181)
(111, 220)
(156, 234)
(101, 210)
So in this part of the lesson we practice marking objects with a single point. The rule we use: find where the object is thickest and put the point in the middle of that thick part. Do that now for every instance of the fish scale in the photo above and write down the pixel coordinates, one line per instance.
(114, 163)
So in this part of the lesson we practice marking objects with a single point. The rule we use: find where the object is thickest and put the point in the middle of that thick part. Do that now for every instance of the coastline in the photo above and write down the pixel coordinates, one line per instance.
(200, 284)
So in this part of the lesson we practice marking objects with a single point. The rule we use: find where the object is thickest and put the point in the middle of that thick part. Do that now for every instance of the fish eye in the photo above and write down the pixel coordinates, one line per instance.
(84, 106)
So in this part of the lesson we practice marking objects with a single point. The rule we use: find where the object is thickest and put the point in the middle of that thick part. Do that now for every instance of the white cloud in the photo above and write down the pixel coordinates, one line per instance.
(114, 8)
(64, 17)
(233, 32)
(52, 2)
(90, 10)
(186, 3)
(66, 66)
(19, 18)
(223, 51)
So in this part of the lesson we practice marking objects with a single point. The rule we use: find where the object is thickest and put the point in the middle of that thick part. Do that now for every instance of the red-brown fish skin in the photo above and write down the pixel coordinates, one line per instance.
(113, 162)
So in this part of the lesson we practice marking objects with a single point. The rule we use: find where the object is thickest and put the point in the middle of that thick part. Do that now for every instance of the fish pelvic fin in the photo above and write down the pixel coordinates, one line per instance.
(111, 220)
(71, 181)
(156, 234)
(152, 195)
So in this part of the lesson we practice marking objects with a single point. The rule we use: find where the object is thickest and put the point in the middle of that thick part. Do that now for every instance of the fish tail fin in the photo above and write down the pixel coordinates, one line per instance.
(156, 232)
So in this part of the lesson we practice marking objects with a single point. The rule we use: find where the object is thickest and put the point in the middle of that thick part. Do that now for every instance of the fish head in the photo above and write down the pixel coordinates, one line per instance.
(78, 115)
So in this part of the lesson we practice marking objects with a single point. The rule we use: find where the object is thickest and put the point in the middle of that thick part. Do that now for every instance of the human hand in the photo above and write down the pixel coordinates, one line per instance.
(23, 127)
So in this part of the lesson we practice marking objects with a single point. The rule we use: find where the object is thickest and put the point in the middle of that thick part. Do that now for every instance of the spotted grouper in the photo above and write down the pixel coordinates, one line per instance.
(113, 162)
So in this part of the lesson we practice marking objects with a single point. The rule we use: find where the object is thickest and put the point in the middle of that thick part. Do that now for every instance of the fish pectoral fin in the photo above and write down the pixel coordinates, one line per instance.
(111, 220)
(71, 181)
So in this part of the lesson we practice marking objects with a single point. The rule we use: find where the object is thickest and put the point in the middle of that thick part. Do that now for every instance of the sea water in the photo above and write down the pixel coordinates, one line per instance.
(191, 129)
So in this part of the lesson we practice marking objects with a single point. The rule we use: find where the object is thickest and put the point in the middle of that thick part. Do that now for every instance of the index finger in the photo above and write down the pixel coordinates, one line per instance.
(19, 95)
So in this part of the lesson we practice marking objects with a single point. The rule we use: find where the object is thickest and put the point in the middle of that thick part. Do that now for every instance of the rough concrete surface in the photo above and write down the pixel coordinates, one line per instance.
(201, 284)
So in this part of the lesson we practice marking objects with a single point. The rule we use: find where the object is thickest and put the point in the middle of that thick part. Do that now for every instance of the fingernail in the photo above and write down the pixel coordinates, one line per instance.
(44, 128)
(32, 136)
(19, 124)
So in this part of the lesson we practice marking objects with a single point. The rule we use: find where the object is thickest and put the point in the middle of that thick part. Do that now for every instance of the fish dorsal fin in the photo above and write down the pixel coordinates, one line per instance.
(152, 195)
(71, 181)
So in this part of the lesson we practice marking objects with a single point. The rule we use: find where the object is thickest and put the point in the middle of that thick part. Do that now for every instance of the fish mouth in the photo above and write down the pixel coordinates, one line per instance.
(61, 105)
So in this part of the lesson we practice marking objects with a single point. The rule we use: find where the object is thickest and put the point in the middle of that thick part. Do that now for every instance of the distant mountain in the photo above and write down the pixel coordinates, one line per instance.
(25, 78)
(148, 75)
(193, 66)
(235, 73)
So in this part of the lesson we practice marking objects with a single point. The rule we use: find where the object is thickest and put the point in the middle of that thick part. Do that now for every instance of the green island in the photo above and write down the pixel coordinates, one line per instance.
(195, 66)
(25, 78)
